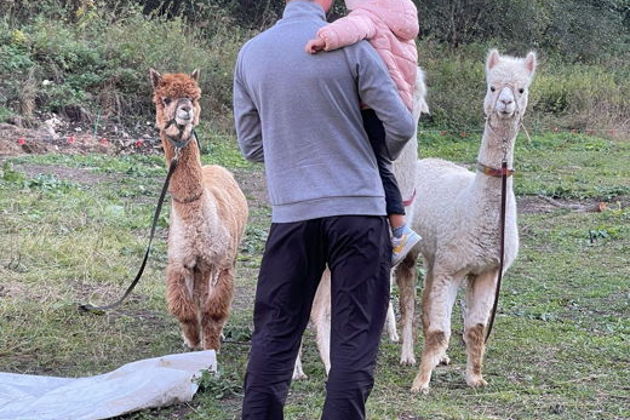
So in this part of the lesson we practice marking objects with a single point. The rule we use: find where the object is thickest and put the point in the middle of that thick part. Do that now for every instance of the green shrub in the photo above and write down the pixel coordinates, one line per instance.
(456, 87)
(100, 62)
(95, 55)
(581, 96)
(565, 95)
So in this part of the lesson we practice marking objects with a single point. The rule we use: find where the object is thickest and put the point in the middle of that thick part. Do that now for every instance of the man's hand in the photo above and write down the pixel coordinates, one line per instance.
(315, 45)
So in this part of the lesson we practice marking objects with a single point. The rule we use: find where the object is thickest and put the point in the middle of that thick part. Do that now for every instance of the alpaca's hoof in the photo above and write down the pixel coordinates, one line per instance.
(420, 389)
(211, 345)
(445, 360)
(298, 374)
(476, 381)
(393, 337)
(421, 384)
(407, 360)
(190, 345)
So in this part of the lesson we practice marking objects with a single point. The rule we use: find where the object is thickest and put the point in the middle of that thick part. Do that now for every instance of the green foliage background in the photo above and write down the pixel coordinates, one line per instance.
(88, 58)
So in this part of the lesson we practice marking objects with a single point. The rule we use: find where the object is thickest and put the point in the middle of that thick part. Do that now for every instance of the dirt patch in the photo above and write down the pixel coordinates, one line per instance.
(17, 291)
(13, 140)
(253, 184)
(535, 204)
(101, 294)
(16, 141)
(12, 289)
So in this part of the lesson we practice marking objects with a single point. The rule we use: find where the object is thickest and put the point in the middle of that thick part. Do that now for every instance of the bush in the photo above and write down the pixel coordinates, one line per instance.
(577, 30)
(89, 59)
(456, 87)
(581, 96)
(566, 95)
(100, 63)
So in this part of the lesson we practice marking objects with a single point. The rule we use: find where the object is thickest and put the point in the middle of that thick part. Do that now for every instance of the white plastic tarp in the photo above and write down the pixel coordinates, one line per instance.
(146, 383)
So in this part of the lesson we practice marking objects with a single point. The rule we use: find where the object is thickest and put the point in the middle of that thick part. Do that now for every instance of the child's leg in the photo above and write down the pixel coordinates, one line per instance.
(393, 198)
(396, 220)
(404, 238)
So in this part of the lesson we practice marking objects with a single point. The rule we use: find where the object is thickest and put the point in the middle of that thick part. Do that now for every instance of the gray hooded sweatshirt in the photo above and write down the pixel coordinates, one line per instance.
(300, 115)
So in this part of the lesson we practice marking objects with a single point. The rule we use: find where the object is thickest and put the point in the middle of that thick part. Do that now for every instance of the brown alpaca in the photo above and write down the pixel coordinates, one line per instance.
(208, 216)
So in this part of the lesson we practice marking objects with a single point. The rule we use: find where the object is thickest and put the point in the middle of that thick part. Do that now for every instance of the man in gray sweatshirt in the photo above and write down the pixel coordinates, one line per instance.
(300, 115)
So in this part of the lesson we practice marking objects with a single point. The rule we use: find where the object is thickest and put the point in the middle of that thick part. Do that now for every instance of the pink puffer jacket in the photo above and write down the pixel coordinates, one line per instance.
(391, 27)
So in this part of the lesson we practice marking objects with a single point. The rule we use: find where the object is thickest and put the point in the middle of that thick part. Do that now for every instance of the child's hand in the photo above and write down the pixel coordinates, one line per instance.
(315, 45)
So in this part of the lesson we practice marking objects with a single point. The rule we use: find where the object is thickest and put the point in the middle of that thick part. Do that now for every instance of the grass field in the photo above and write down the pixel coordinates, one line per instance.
(73, 228)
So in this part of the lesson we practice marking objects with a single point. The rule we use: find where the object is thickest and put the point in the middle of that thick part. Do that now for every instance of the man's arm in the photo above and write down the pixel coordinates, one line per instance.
(247, 121)
(377, 91)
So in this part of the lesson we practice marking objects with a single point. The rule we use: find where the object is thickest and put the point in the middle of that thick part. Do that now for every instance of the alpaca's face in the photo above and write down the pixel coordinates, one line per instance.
(181, 108)
(508, 81)
(176, 97)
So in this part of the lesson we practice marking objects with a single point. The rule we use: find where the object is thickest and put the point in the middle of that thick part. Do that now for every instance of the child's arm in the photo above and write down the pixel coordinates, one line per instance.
(342, 32)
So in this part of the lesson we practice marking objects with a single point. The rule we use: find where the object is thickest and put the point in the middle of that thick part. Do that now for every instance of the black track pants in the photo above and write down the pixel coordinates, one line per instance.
(357, 250)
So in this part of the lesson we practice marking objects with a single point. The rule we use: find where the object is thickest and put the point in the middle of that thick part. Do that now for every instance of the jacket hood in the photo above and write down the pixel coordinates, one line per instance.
(400, 16)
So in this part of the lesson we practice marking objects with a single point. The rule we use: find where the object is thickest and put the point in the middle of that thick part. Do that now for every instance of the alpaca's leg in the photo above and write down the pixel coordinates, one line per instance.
(451, 296)
(321, 318)
(180, 302)
(406, 279)
(322, 322)
(438, 295)
(216, 308)
(478, 304)
(390, 324)
(298, 372)
(390, 320)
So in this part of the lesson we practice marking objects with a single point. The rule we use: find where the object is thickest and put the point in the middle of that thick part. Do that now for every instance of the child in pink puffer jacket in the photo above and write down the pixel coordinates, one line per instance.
(391, 26)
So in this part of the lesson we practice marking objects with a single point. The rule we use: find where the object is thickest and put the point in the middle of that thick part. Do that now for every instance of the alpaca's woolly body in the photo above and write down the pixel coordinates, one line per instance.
(458, 216)
(208, 216)
(459, 224)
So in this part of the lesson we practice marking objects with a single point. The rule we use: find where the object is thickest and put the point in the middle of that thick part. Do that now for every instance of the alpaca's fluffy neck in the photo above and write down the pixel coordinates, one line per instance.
(498, 139)
(498, 135)
(186, 182)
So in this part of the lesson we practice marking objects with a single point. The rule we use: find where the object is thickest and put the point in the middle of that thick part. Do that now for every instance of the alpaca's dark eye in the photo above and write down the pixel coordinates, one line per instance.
(521, 90)
(167, 101)
(492, 88)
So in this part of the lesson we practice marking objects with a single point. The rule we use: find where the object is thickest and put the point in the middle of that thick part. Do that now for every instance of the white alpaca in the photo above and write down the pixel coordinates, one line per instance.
(404, 169)
(457, 214)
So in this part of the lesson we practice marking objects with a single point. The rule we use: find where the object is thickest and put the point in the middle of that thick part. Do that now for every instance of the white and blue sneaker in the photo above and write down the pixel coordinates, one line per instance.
(403, 244)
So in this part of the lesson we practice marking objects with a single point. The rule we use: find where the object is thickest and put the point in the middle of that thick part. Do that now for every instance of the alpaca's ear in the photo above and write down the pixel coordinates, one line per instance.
(493, 59)
(195, 75)
(530, 63)
(155, 77)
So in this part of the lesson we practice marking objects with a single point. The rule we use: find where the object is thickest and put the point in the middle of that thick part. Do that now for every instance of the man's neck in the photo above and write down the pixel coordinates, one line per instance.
(295, 8)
